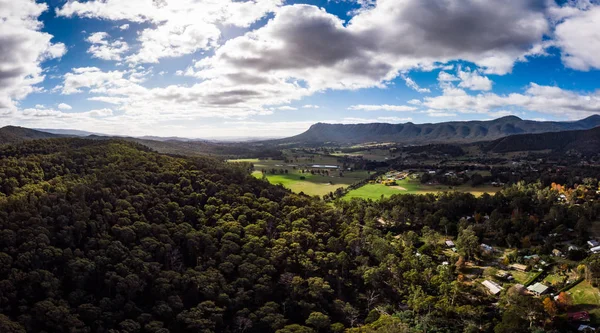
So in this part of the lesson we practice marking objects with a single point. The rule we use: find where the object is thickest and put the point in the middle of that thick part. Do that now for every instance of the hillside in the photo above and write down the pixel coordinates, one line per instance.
(108, 236)
(14, 134)
(585, 141)
(456, 132)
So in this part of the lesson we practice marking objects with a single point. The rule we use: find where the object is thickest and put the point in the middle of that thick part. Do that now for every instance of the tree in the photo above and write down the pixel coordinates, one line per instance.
(564, 300)
(550, 307)
(318, 320)
(467, 243)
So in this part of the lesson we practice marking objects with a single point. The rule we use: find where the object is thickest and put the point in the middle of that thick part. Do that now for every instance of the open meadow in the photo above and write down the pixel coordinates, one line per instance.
(294, 179)
(412, 186)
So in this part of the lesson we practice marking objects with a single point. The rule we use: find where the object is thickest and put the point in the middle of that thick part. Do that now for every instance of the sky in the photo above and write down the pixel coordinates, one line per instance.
(272, 68)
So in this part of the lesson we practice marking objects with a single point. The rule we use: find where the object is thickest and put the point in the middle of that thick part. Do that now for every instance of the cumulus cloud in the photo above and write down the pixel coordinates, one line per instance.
(473, 80)
(310, 106)
(177, 27)
(104, 49)
(384, 107)
(23, 49)
(62, 106)
(124, 27)
(543, 99)
(578, 37)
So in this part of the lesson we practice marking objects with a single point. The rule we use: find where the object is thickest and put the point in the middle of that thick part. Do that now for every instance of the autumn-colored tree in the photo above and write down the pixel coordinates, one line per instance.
(564, 300)
(550, 307)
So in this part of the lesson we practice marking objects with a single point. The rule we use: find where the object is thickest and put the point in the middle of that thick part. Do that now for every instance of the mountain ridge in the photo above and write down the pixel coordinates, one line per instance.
(453, 131)
(583, 141)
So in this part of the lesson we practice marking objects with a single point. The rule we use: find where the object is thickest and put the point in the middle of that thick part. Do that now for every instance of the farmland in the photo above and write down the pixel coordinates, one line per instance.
(296, 174)
(413, 186)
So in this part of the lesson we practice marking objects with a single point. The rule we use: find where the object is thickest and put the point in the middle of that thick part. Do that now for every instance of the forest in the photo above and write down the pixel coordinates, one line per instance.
(109, 236)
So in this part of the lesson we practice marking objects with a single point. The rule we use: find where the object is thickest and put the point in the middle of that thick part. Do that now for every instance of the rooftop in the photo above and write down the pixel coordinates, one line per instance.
(494, 288)
(538, 288)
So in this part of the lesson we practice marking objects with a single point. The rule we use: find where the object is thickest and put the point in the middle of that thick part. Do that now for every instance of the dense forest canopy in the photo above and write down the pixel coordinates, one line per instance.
(108, 236)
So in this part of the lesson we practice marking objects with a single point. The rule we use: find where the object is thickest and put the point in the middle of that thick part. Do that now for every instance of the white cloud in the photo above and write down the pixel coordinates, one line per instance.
(100, 113)
(63, 106)
(542, 99)
(178, 27)
(413, 85)
(437, 114)
(578, 37)
(473, 80)
(287, 108)
(23, 49)
(384, 107)
(310, 106)
(446, 77)
(103, 49)
(124, 27)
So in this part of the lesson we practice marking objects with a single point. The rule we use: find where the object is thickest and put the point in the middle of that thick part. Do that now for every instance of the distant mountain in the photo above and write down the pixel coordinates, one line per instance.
(454, 132)
(67, 132)
(14, 134)
(586, 141)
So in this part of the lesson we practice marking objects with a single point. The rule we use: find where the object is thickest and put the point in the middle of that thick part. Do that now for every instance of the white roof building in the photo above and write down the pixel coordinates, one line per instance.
(493, 287)
(538, 288)
(595, 249)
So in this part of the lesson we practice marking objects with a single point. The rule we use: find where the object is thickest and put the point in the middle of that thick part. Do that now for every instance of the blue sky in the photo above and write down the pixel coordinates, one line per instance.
(271, 68)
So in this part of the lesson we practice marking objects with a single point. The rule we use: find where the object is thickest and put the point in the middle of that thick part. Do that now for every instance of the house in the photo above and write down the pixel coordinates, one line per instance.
(449, 243)
(586, 328)
(556, 253)
(579, 316)
(493, 287)
(593, 243)
(486, 248)
(538, 288)
(595, 249)
(519, 267)
(573, 248)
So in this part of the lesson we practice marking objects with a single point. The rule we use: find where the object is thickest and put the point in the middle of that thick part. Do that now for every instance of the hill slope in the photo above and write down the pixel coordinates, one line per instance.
(457, 132)
(586, 141)
(14, 134)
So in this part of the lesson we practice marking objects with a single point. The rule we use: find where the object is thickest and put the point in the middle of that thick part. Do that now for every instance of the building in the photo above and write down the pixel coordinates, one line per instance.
(595, 249)
(593, 243)
(586, 328)
(449, 243)
(538, 288)
(519, 267)
(579, 316)
(486, 248)
(493, 287)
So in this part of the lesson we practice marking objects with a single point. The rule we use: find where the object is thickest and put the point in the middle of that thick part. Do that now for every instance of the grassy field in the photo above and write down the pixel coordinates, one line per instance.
(587, 298)
(313, 184)
(585, 294)
(409, 186)
(522, 277)
(373, 191)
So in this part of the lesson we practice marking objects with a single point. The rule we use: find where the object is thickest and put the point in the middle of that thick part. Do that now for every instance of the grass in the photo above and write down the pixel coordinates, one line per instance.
(522, 277)
(585, 293)
(553, 279)
(313, 184)
(375, 191)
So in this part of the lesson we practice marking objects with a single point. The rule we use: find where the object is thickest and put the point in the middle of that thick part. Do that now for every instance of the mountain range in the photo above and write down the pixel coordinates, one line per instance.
(586, 141)
(501, 135)
(448, 132)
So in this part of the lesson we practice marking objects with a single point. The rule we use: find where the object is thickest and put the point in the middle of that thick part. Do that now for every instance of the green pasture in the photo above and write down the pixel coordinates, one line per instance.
(410, 186)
